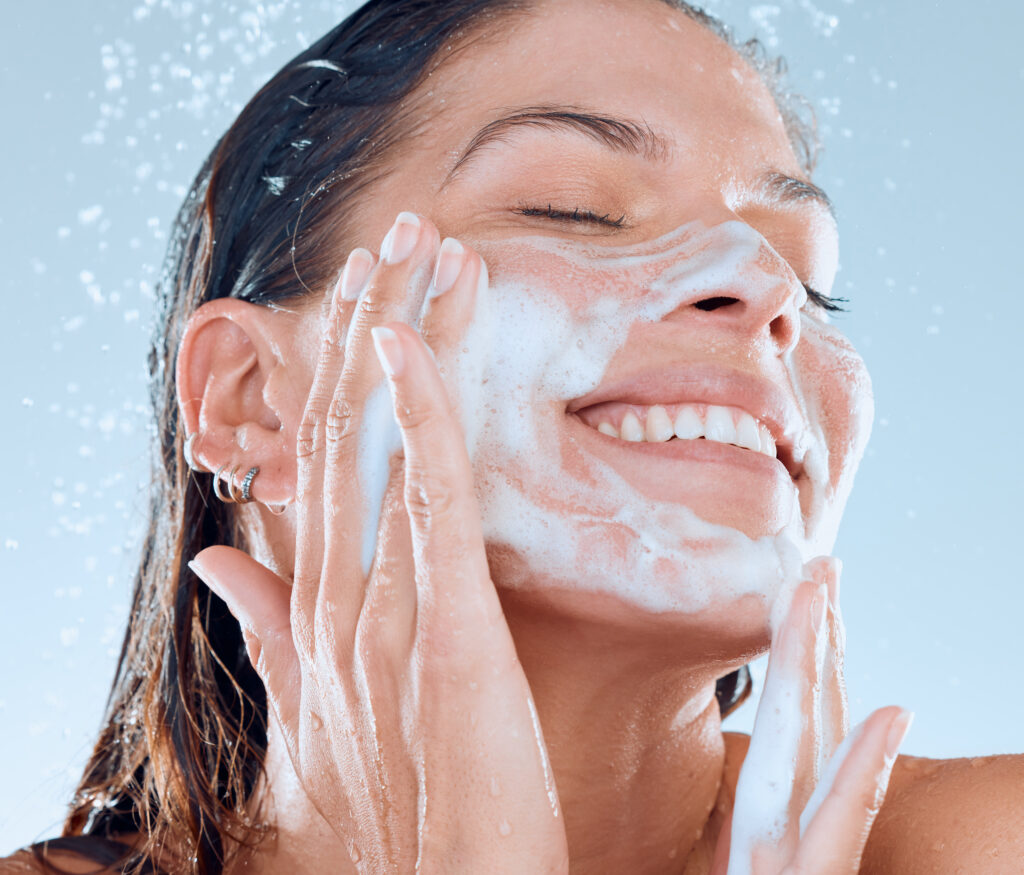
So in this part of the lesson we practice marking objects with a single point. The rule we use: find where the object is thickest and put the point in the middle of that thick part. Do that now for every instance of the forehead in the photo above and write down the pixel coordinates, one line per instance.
(635, 58)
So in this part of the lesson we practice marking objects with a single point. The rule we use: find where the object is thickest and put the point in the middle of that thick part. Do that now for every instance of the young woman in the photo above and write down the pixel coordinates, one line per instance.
(500, 424)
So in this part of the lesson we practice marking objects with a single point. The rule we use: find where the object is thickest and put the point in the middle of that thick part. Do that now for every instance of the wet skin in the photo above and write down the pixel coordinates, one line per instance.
(597, 660)
(624, 691)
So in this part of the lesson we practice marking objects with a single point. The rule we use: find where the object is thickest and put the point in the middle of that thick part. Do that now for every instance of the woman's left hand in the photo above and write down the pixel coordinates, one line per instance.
(789, 816)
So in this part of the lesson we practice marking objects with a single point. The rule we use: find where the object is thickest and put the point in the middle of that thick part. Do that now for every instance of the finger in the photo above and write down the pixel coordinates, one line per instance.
(778, 772)
(838, 817)
(311, 444)
(455, 326)
(361, 435)
(835, 722)
(459, 279)
(259, 600)
(387, 620)
(456, 599)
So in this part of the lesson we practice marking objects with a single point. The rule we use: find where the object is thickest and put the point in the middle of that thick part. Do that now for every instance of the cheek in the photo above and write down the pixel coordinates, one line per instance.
(580, 283)
(836, 380)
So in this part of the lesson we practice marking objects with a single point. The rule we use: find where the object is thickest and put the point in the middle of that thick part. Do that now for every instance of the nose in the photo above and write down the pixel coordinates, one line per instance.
(747, 289)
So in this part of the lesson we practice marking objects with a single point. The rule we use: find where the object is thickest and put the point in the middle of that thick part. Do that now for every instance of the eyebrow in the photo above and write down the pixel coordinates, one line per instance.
(785, 189)
(627, 135)
(622, 134)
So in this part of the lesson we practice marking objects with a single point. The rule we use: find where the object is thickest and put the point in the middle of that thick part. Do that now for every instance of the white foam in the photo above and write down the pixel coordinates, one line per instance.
(545, 332)
(379, 439)
(528, 353)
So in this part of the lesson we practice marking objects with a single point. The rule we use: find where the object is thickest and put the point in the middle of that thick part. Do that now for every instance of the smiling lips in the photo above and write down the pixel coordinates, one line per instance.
(699, 401)
(660, 423)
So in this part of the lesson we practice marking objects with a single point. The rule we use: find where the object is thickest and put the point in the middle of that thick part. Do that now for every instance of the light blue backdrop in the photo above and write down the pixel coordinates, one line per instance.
(109, 107)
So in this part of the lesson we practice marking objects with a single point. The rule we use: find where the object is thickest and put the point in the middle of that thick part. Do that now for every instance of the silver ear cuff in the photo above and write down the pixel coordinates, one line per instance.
(234, 495)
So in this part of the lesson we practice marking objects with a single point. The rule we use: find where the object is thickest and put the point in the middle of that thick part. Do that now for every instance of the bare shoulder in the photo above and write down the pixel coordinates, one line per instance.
(940, 817)
(950, 816)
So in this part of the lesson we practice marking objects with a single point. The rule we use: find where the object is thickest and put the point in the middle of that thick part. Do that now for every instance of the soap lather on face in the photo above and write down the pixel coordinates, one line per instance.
(574, 305)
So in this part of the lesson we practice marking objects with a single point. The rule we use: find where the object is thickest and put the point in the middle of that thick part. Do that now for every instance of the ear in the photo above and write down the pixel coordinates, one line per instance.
(233, 393)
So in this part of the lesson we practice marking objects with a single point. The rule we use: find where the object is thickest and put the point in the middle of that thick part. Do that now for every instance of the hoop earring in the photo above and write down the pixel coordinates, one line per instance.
(189, 458)
(216, 485)
(232, 492)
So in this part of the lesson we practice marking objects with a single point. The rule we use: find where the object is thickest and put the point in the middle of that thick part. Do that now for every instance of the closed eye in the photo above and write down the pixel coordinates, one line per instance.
(578, 215)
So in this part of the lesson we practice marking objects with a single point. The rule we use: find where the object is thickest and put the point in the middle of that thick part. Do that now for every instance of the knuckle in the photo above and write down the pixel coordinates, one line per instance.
(340, 419)
(306, 441)
(374, 301)
(414, 416)
(428, 496)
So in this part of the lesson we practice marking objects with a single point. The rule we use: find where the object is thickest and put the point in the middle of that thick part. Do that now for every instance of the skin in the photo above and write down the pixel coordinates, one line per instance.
(425, 673)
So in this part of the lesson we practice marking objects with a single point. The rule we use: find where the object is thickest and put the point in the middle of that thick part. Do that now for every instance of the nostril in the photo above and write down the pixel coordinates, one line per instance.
(709, 304)
(781, 329)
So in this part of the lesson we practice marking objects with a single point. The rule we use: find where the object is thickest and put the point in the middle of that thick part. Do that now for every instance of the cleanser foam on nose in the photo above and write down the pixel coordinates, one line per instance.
(537, 340)
(533, 346)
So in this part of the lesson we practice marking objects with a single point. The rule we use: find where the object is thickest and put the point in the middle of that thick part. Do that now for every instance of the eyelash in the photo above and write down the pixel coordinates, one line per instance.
(580, 216)
(583, 216)
(829, 305)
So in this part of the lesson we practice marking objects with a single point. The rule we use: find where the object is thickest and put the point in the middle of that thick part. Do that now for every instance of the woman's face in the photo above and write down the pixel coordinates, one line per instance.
(668, 273)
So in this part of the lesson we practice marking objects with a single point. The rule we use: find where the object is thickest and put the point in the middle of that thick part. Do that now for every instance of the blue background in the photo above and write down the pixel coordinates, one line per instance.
(111, 106)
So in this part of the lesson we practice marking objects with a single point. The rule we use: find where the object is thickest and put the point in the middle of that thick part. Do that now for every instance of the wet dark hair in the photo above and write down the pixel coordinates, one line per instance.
(185, 732)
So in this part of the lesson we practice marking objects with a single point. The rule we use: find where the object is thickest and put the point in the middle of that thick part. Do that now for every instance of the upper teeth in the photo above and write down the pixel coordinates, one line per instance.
(727, 425)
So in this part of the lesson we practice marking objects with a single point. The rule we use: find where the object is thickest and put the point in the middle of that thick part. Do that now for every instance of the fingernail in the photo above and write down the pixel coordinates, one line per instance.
(449, 265)
(401, 239)
(389, 350)
(356, 272)
(897, 732)
(203, 575)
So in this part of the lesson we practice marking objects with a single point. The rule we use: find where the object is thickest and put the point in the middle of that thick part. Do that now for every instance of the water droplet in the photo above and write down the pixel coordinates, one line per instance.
(505, 828)
(495, 787)
(315, 722)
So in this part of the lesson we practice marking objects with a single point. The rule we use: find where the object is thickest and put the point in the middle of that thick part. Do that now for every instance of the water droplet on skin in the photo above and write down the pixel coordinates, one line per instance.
(315, 722)
(495, 787)
(355, 855)
(505, 828)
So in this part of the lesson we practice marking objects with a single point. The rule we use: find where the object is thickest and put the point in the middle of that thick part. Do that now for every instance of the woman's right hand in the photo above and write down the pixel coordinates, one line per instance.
(406, 713)
(793, 815)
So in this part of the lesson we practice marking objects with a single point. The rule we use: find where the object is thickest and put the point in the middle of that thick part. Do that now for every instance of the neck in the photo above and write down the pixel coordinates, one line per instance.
(634, 735)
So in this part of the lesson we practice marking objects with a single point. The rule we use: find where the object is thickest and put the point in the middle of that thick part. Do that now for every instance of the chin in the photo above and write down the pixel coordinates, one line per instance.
(733, 630)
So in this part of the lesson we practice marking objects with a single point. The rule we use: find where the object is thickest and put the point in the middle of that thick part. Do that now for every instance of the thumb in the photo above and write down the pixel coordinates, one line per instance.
(259, 599)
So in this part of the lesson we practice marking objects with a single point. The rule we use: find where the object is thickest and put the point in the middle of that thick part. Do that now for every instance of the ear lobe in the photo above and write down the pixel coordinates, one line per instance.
(229, 352)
